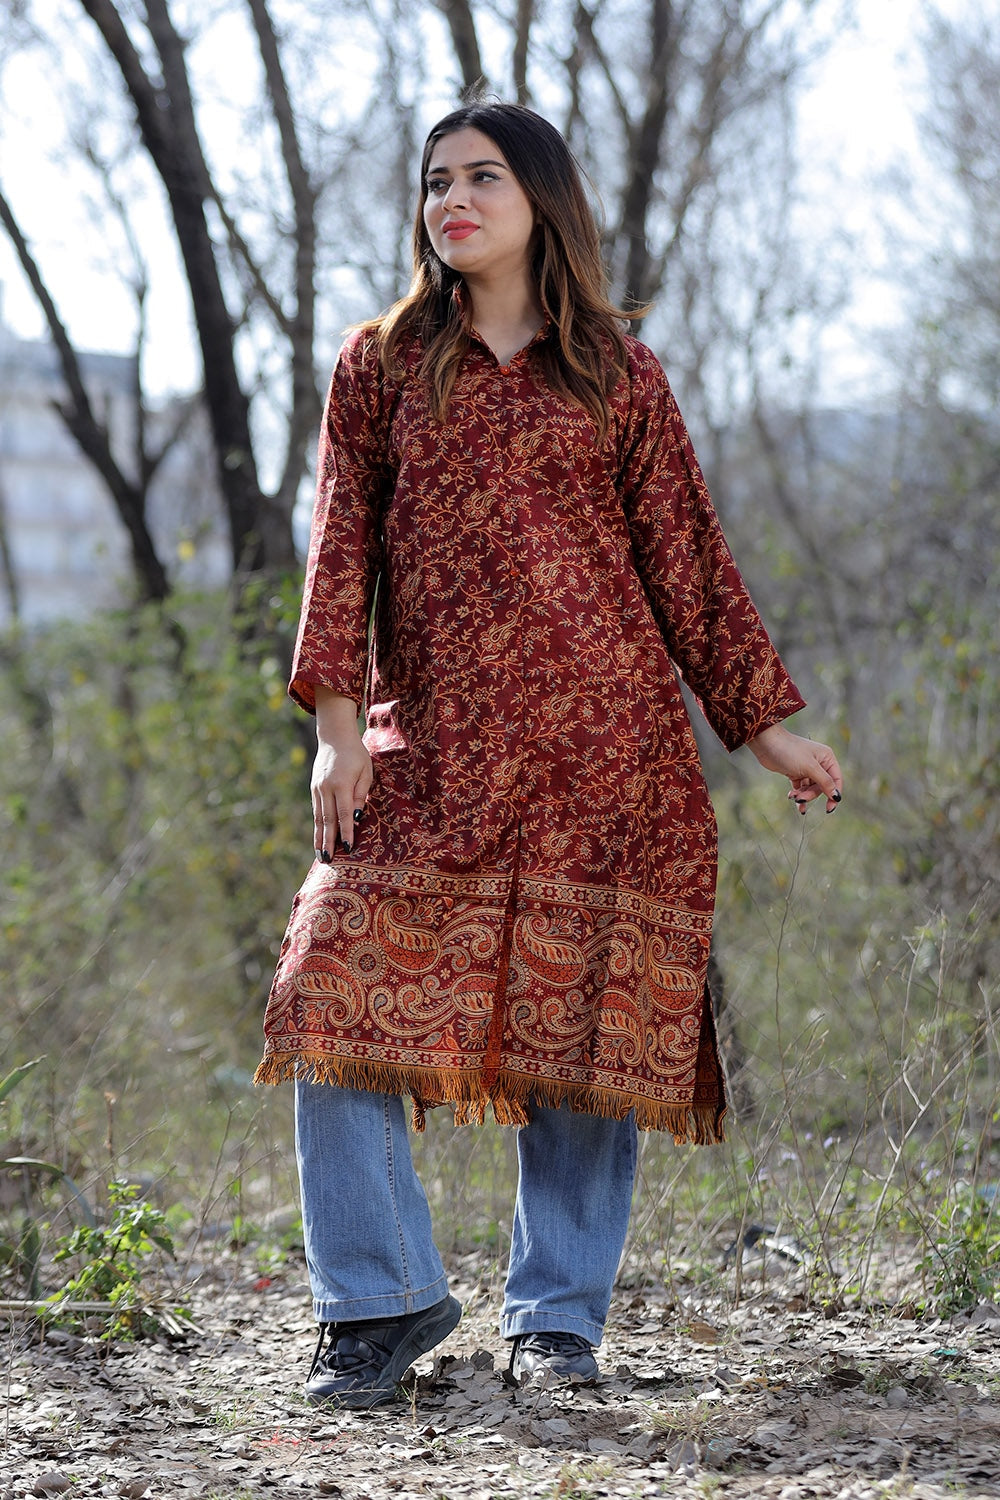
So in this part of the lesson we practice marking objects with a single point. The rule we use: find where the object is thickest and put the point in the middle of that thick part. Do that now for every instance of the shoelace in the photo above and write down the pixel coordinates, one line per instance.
(556, 1343)
(366, 1350)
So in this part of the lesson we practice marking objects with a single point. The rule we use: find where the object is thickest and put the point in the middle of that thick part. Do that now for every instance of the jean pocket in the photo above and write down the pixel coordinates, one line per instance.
(383, 736)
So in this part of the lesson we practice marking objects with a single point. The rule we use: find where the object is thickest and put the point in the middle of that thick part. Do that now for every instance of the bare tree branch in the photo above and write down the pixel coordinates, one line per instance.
(91, 434)
(8, 572)
(645, 150)
(260, 536)
(254, 271)
(798, 520)
(183, 412)
(465, 40)
(300, 329)
(139, 283)
(522, 37)
(586, 41)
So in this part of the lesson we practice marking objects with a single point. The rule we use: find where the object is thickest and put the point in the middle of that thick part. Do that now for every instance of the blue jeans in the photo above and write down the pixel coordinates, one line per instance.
(368, 1237)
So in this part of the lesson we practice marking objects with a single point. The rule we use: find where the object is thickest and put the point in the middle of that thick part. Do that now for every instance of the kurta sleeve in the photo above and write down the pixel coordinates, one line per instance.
(353, 479)
(705, 614)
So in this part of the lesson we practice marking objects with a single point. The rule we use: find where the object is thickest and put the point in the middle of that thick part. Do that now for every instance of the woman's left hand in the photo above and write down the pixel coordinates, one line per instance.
(811, 767)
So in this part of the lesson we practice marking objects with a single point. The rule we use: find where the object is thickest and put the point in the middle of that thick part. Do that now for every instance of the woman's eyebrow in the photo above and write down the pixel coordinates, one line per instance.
(467, 166)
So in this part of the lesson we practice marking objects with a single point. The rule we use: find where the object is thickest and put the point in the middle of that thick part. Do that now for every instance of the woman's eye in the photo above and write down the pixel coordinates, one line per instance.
(436, 185)
(486, 177)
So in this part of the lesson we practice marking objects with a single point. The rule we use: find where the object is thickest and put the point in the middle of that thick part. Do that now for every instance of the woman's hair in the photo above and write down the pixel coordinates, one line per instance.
(585, 357)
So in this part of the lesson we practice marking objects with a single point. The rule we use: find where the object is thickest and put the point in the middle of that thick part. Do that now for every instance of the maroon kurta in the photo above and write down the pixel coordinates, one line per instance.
(528, 907)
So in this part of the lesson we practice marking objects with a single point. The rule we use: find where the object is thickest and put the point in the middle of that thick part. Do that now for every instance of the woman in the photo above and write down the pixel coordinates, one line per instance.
(512, 898)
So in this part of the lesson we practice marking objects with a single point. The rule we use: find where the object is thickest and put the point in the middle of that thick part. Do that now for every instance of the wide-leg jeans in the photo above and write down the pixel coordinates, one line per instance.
(368, 1235)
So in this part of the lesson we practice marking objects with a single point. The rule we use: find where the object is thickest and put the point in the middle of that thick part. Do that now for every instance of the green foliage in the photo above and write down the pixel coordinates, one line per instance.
(962, 1263)
(14, 1077)
(21, 1248)
(112, 1261)
(21, 1252)
(155, 822)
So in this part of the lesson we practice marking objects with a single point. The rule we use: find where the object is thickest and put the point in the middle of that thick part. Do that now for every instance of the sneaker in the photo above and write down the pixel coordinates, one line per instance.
(362, 1363)
(546, 1358)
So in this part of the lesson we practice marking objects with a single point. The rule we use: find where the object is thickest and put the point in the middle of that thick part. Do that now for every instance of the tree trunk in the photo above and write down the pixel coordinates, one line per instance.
(522, 38)
(464, 39)
(300, 328)
(260, 537)
(646, 153)
(8, 572)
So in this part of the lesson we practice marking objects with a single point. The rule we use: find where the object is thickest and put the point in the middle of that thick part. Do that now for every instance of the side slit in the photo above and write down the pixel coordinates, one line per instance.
(494, 1043)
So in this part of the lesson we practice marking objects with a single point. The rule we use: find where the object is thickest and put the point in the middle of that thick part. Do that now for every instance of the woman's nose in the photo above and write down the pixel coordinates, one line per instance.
(453, 198)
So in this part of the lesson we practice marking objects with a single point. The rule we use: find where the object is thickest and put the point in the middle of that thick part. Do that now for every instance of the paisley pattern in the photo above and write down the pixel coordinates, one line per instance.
(528, 908)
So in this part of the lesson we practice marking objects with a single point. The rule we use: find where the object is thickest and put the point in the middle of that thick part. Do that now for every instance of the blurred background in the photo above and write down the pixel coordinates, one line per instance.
(196, 200)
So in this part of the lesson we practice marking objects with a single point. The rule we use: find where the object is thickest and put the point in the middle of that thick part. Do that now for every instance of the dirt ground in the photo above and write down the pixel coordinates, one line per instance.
(698, 1399)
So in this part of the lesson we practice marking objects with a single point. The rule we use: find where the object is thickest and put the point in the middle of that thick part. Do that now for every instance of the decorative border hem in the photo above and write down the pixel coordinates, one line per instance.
(509, 1096)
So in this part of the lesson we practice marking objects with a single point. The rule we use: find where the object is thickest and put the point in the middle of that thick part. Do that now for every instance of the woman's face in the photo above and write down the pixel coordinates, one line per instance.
(479, 218)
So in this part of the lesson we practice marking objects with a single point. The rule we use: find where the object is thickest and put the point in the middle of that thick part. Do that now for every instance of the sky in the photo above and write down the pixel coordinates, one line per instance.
(860, 107)
(857, 121)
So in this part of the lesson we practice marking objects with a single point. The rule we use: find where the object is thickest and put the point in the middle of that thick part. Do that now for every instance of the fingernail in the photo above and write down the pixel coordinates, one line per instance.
(830, 810)
(348, 848)
(800, 801)
(359, 813)
(323, 857)
(836, 795)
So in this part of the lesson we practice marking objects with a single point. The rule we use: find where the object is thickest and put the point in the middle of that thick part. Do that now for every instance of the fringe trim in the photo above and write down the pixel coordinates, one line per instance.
(510, 1096)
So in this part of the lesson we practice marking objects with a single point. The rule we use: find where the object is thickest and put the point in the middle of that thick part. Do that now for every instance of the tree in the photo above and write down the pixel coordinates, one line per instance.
(260, 524)
(686, 96)
(953, 516)
(884, 523)
(150, 58)
(682, 115)
(130, 491)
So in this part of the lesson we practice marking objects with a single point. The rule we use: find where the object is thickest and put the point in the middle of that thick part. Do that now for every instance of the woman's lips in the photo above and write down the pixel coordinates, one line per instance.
(460, 229)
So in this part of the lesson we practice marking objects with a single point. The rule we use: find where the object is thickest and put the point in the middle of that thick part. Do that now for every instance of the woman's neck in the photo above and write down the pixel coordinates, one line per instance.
(507, 315)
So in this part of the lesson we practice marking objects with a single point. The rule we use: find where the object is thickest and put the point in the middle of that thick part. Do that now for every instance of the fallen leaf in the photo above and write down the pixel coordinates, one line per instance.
(703, 1333)
(719, 1451)
(769, 1433)
(52, 1483)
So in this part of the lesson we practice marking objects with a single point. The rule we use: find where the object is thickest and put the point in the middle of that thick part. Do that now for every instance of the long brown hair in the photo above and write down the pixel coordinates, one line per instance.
(585, 357)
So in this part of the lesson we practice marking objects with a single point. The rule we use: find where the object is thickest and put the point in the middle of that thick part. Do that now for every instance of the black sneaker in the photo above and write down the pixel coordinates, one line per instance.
(363, 1362)
(547, 1358)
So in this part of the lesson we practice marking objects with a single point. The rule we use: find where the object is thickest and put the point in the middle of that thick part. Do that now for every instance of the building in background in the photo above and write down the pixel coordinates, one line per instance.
(64, 552)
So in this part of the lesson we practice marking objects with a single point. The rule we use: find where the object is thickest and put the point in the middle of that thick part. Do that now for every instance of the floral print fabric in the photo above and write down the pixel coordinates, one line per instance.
(528, 907)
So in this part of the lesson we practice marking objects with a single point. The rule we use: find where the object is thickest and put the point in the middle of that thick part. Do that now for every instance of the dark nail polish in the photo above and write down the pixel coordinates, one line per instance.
(836, 795)
(830, 810)
(348, 848)
(359, 813)
(323, 857)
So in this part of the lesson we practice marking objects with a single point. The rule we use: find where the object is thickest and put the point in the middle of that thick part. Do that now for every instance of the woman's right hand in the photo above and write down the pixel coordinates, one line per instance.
(342, 774)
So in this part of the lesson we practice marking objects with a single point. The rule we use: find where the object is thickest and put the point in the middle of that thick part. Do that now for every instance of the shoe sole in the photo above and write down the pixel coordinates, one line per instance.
(545, 1379)
(421, 1338)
